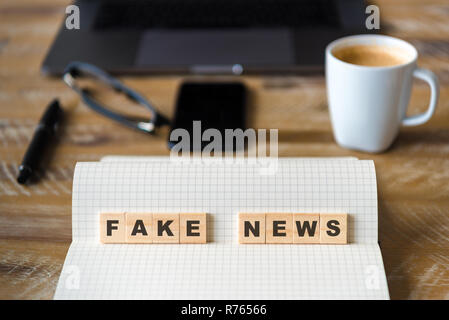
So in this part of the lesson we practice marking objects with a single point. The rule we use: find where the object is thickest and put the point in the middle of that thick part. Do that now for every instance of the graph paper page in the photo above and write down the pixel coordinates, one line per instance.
(223, 269)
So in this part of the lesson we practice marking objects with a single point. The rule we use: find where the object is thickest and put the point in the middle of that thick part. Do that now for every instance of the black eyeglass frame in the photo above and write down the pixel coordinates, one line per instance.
(79, 69)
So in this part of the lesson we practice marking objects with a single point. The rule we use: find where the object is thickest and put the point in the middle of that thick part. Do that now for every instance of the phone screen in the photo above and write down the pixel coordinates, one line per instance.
(216, 105)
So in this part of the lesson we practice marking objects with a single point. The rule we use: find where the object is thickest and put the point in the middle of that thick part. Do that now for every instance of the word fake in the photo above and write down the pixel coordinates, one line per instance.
(153, 227)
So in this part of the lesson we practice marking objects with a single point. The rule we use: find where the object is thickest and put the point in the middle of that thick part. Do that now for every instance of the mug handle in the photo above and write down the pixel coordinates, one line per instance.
(429, 77)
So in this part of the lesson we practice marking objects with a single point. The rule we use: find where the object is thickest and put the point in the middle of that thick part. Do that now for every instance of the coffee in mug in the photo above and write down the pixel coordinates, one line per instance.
(371, 55)
(369, 84)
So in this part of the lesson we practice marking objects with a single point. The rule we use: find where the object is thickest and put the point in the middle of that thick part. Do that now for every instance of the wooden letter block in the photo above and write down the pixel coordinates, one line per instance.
(251, 227)
(279, 228)
(112, 228)
(192, 228)
(334, 228)
(165, 228)
(306, 228)
(139, 227)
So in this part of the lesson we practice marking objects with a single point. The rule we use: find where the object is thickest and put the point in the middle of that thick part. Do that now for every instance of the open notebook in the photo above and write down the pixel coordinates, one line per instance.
(222, 268)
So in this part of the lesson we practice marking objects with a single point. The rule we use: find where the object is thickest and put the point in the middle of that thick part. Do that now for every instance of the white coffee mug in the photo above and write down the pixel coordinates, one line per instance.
(368, 104)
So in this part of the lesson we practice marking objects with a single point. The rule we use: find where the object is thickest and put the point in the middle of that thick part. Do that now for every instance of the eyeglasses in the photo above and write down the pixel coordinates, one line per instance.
(77, 70)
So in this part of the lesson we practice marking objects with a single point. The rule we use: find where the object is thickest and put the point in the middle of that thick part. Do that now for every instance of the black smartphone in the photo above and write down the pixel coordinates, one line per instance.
(216, 105)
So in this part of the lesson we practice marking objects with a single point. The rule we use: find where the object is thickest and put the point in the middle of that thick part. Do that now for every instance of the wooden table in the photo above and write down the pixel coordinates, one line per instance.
(413, 176)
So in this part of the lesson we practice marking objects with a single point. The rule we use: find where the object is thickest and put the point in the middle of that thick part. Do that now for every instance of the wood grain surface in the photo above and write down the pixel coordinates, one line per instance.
(413, 176)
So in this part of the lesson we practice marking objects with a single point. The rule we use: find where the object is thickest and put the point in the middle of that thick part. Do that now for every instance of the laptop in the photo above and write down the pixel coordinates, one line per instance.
(204, 36)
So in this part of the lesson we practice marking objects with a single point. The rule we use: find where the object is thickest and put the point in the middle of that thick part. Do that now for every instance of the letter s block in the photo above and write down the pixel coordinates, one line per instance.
(112, 227)
(251, 228)
(333, 228)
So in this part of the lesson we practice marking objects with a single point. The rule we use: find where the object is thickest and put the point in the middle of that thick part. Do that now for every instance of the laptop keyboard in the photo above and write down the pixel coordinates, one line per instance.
(198, 14)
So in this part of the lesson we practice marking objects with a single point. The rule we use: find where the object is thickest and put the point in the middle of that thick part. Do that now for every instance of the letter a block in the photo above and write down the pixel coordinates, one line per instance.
(279, 227)
(192, 228)
(112, 227)
(251, 228)
(334, 228)
(165, 228)
(139, 227)
(306, 228)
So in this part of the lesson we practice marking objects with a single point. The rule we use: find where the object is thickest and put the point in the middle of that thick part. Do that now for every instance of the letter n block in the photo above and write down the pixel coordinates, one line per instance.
(251, 228)
(165, 228)
(306, 228)
(112, 227)
(192, 228)
(139, 227)
(334, 228)
(279, 228)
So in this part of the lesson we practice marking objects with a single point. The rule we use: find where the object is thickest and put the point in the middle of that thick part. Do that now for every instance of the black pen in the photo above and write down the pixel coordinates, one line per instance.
(43, 137)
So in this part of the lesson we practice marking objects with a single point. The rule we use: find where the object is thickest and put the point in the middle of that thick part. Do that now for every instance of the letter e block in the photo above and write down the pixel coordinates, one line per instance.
(192, 228)
(112, 227)
(165, 228)
(139, 227)
(306, 228)
(334, 228)
(279, 228)
(251, 228)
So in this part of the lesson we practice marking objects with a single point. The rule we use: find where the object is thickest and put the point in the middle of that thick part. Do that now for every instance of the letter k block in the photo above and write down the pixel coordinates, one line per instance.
(165, 228)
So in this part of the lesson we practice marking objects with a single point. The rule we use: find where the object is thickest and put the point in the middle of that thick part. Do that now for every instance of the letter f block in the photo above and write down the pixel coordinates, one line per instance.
(112, 227)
